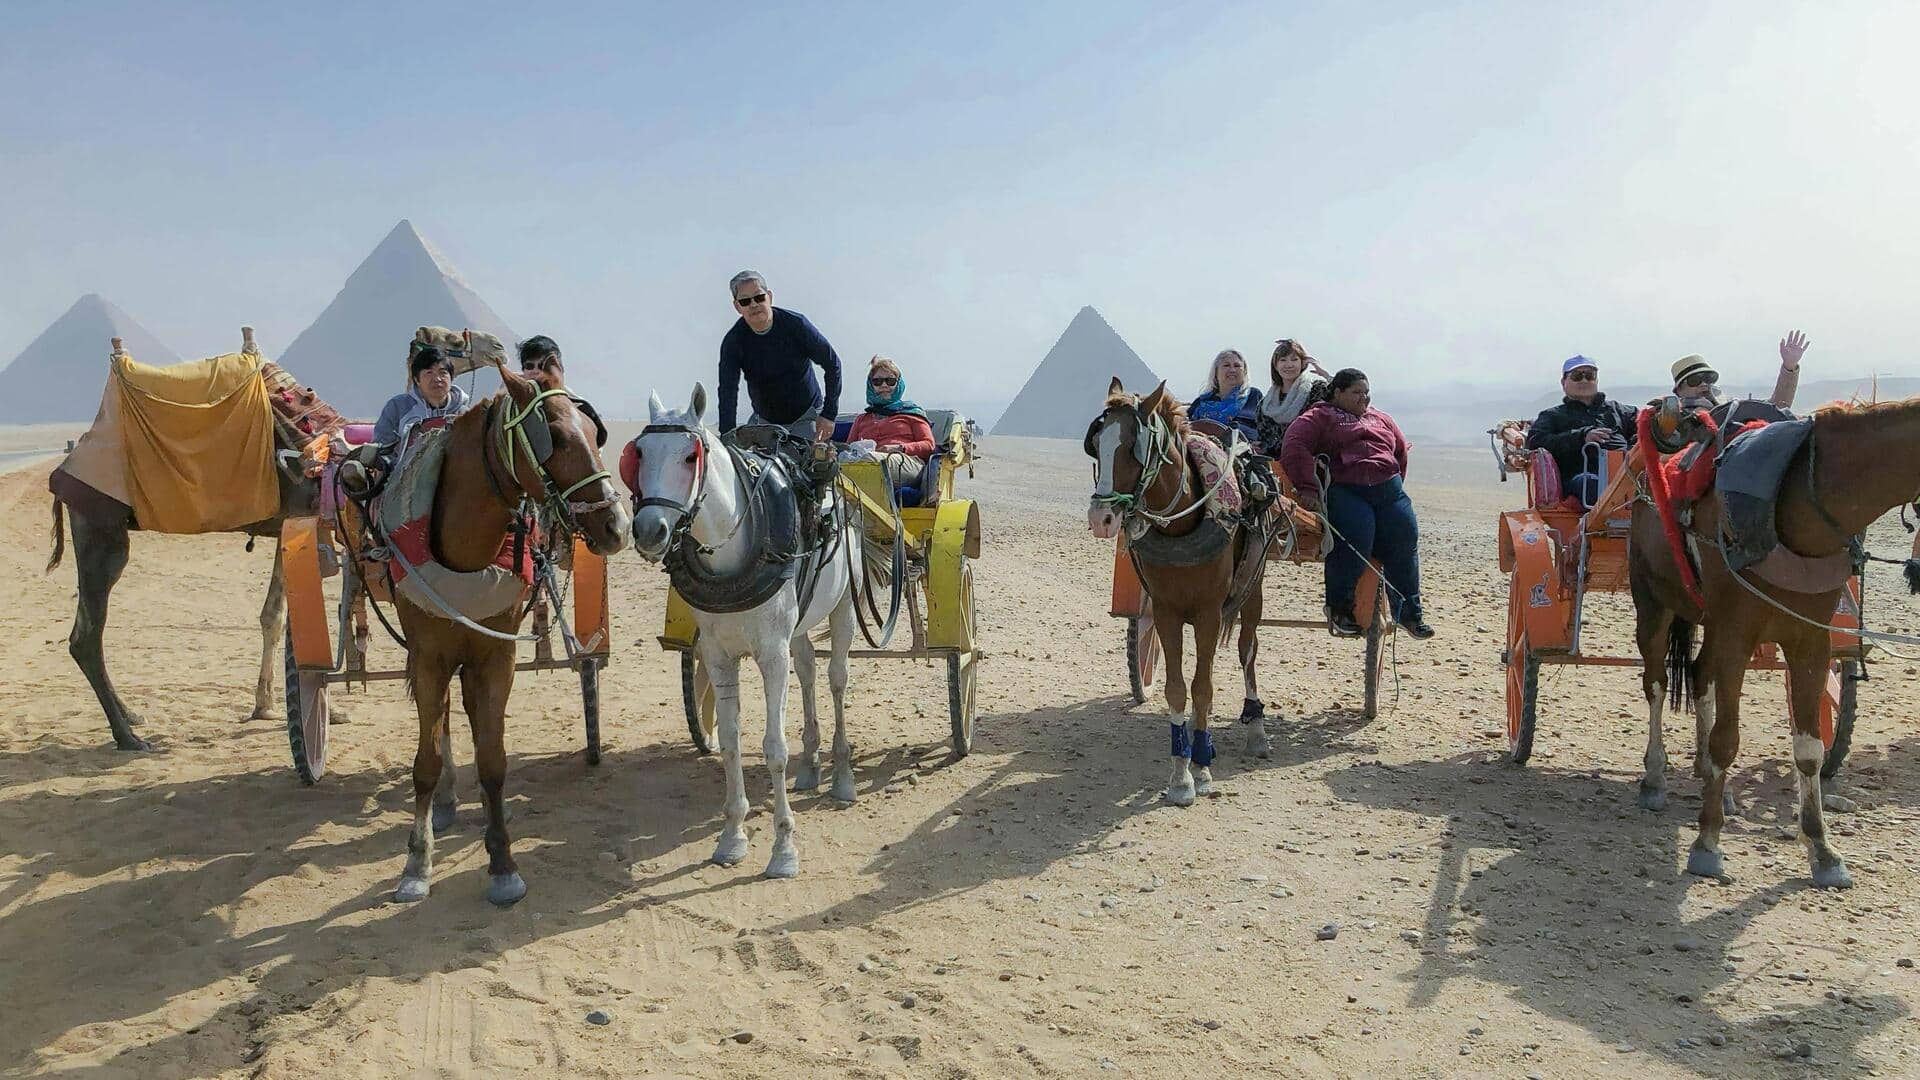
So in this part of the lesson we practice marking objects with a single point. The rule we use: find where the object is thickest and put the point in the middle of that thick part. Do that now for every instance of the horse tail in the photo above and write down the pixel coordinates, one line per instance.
(59, 538)
(1681, 676)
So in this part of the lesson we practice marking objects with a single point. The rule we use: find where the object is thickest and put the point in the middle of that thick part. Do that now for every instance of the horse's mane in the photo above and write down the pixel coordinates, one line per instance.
(1173, 412)
(1848, 413)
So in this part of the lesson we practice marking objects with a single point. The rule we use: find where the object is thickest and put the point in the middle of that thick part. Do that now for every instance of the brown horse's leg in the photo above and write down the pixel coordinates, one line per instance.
(1807, 658)
(99, 555)
(484, 689)
(429, 675)
(1252, 712)
(1721, 670)
(273, 624)
(1653, 624)
(1170, 627)
(446, 802)
(1206, 641)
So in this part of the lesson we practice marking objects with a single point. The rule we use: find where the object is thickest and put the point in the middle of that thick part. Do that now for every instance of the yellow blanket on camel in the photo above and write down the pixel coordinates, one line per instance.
(189, 447)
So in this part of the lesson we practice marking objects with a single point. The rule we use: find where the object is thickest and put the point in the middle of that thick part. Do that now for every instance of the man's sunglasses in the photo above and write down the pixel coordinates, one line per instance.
(1705, 378)
(882, 380)
(1583, 375)
(750, 301)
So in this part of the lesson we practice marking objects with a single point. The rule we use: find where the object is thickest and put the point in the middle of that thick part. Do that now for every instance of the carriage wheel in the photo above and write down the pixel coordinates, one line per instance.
(963, 670)
(1843, 719)
(590, 705)
(306, 718)
(699, 717)
(1143, 652)
(1523, 696)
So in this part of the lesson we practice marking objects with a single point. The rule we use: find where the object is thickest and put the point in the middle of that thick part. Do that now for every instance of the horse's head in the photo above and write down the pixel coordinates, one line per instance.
(666, 466)
(1118, 441)
(554, 456)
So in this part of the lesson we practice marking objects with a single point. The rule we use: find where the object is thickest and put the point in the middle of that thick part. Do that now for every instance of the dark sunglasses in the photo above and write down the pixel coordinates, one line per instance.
(884, 381)
(1583, 375)
(1705, 378)
(749, 301)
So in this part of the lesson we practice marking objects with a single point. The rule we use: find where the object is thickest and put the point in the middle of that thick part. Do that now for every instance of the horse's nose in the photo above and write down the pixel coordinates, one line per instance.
(649, 534)
(608, 535)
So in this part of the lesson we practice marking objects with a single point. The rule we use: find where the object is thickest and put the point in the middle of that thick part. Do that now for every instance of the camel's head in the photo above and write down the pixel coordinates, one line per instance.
(469, 349)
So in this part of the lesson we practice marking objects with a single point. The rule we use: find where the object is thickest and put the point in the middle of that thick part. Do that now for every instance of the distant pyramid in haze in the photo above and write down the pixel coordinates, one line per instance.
(1066, 390)
(355, 353)
(60, 375)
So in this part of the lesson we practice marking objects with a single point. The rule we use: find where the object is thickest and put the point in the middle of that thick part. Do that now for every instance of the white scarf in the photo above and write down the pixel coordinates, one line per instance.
(1284, 409)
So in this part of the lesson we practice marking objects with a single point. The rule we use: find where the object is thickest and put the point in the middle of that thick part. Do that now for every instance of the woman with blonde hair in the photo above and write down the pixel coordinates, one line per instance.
(1229, 400)
(896, 425)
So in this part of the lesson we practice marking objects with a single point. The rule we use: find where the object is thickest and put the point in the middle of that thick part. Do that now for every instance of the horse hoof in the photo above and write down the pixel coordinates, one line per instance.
(133, 744)
(784, 864)
(1704, 863)
(1836, 876)
(806, 779)
(1261, 747)
(843, 790)
(505, 890)
(443, 815)
(1654, 799)
(412, 890)
(1203, 782)
(1180, 796)
(271, 716)
(730, 852)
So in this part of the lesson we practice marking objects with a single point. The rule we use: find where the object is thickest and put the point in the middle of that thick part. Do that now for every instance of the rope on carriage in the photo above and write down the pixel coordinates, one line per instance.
(1720, 545)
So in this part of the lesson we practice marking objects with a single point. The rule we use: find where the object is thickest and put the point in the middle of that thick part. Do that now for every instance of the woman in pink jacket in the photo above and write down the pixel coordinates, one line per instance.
(895, 424)
(1366, 502)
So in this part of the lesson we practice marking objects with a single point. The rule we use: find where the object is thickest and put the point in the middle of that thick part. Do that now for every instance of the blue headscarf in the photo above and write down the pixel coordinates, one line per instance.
(894, 404)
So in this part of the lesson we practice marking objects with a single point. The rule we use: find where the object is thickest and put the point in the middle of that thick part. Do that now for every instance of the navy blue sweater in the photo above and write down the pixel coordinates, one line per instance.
(779, 369)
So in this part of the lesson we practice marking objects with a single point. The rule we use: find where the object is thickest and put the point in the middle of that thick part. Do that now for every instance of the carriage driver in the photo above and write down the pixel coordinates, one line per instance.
(776, 350)
(1583, 420)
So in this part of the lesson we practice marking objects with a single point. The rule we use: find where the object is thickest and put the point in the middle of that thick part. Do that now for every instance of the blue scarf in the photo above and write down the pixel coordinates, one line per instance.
(894, 404)
(1213, 406)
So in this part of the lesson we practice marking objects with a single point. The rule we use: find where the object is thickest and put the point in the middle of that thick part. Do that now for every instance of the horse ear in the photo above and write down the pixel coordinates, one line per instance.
(1114, 387)
(697, 408)
(1151, 403)
(654, 407)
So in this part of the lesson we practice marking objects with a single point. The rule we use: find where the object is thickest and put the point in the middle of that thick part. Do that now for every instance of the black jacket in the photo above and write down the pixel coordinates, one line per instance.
(1562, 430)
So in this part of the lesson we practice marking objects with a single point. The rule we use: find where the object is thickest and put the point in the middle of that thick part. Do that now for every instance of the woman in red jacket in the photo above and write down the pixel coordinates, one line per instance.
(1366, 503)
(895, 424)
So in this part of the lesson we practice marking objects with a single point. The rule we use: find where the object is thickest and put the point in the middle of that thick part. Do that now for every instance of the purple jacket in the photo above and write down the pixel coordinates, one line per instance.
(1362, 450)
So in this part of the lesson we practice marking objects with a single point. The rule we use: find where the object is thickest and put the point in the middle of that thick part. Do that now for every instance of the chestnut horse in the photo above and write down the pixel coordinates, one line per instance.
(498, 470)
(1144, 483)
(1858, 463)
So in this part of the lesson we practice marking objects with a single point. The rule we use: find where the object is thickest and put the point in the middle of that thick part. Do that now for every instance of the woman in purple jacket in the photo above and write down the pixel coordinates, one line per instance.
(1366, 502)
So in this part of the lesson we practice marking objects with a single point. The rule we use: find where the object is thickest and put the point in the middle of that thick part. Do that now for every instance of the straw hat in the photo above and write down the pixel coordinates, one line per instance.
(1688, 366)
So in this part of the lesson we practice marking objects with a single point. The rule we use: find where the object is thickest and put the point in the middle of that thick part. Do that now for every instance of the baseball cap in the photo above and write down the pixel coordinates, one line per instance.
(1577, 362)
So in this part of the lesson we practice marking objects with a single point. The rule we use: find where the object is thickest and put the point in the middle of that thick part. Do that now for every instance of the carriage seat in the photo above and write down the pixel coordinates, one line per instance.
(951, 436)
(357, 434)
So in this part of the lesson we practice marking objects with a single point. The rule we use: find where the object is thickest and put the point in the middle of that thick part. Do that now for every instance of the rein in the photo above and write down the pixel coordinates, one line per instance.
(1163, 446)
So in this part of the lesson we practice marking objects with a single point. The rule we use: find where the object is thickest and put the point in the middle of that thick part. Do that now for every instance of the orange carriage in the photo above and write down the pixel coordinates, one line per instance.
(1555, 553)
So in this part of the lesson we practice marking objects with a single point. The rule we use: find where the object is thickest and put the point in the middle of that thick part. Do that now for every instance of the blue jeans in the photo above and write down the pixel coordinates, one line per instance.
(1378, 520)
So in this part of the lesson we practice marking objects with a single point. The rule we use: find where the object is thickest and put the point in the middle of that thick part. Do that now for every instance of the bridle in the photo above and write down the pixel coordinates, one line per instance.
(688, 510)
(1155, 445)
(527, 432)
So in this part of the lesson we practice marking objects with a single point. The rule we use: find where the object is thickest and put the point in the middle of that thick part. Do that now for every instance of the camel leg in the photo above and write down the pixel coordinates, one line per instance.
(842, 639)
(273, 625)
(1721, 670)
(430, 678)
(724, 673)
(99, 555)
(1206, 641)
(1652, 626)
(775, 667)
(1252, 712)
(484, 689)
(446, 803)
(1807, 660)
(806, 768)
(1180, 789)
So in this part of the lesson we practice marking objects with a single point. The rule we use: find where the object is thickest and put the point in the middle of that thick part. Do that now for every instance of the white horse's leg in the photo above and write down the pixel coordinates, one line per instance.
(806, 768)
(775, 665)
(842, 638)
(724, 672)
(273, 626)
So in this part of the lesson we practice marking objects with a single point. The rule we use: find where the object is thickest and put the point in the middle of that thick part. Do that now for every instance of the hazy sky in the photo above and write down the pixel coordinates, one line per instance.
(1433, 193)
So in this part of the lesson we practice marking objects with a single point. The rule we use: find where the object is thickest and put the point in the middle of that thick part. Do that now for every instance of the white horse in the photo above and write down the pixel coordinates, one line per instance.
(689, 487)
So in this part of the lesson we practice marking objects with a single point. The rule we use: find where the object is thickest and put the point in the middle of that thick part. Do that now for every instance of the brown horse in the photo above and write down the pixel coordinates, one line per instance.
(1144, 483)
(495, 473)
(1857, 464)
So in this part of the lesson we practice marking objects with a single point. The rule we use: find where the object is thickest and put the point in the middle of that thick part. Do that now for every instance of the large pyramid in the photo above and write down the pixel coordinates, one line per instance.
(355, 353)
(59, 377)
(1066, 390)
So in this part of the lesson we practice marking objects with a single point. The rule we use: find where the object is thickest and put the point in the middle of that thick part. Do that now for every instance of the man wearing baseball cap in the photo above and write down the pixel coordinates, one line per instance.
(1582, 427)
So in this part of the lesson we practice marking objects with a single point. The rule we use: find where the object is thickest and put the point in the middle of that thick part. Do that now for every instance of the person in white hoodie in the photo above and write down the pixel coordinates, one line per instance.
(433, 393)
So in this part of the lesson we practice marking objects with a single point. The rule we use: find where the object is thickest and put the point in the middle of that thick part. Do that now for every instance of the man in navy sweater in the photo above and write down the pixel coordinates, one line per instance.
(776, 350)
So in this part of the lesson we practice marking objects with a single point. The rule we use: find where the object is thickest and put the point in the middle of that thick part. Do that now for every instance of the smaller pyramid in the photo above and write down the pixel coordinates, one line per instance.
(1068, 387)
(355, 353)
(60, 376)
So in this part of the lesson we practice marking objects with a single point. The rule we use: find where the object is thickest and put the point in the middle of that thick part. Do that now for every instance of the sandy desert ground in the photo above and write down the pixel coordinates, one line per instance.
(1031, 910)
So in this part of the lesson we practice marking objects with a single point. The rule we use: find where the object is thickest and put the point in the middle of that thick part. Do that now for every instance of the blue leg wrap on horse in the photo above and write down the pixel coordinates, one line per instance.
(1180, 746)
(1203, 748)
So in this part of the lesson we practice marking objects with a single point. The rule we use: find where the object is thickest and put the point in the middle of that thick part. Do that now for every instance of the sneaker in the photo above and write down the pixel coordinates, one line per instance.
(1343, 624)
(1418, 627)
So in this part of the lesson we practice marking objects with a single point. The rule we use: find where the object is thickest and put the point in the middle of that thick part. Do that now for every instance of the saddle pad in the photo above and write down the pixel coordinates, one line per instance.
(1748, 474)
(404, 512)
(1214, 463)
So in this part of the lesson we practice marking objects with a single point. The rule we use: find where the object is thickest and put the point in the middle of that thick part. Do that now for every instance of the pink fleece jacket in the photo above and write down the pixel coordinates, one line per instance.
(1363, 450)
(913, 433)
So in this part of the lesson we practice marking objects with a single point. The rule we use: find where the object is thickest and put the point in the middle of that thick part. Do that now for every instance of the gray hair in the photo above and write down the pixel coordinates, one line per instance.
(742, 278)
(1213, 373)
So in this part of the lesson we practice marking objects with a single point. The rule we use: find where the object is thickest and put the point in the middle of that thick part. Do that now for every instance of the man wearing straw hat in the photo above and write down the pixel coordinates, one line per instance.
(1697, 384)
